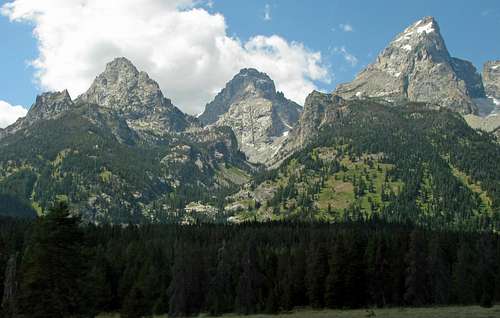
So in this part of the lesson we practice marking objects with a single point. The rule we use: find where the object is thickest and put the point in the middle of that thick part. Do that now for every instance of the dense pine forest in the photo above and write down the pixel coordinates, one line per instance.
(56, 266)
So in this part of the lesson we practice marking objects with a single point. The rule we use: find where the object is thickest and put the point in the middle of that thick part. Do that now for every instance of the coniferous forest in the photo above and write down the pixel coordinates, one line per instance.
(249, 268)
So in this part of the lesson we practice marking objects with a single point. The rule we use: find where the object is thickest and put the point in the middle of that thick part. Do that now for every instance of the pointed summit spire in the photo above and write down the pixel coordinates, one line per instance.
(417, 66)
(122, 87)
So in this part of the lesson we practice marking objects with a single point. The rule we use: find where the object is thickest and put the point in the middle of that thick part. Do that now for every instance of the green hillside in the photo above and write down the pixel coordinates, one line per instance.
(402, 164)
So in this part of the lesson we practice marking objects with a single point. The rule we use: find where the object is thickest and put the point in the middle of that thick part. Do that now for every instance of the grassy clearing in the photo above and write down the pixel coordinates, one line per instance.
(431, 312)
(474, 187)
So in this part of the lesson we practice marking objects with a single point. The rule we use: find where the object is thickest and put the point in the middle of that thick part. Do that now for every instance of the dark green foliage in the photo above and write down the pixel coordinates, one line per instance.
(247, 268)
(83, 157)
(11, 205)
(52, 269)
(429, 149)
(416, 271)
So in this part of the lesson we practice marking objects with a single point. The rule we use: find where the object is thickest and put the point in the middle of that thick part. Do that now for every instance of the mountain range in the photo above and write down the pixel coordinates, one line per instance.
(399, 141)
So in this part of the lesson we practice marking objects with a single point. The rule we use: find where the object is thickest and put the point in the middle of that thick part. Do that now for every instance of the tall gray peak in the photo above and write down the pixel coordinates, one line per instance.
(491, 78)
(138, 98)
(49, 105)
(417, 66)
(247, 83)
(259, 116)
(121, 86)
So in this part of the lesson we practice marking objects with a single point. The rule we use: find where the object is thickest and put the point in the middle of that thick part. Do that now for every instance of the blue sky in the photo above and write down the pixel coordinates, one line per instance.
(336, 29)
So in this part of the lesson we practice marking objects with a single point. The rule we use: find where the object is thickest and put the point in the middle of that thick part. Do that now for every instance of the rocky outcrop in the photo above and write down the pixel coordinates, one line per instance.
(137, 98)
(260, 117)
(47, 106)
(417, 66)
(491, 79)
(489, 107)
(320, 110)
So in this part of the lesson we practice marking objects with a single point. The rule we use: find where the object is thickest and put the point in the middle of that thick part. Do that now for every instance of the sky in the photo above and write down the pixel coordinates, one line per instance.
(193, 47)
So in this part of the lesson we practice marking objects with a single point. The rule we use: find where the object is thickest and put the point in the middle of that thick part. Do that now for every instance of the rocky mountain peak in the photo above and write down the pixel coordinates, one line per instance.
(260, 116)
(417, 66)
(251, 81)
(48, 105)
(248, 83)
(138, 100)
(122, 87)
(424, 31)
(491, 78)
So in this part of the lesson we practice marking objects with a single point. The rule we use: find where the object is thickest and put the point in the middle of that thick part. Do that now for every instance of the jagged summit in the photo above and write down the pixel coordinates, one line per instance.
(416, 65)
(132, 93)
(122, 86)
(260, 116)
(246, 83)
(49, 104)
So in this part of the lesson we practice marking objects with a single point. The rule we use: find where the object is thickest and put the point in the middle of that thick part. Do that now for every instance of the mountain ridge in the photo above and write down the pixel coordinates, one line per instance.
(260, 116)
(416, 65)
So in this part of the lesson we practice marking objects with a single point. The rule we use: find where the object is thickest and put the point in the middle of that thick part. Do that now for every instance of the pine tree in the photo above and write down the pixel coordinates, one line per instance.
(317, 271)
(486, 270)
(134, 305)
(464, 274)
(416, 271)
(248, 291)
(221, 292)
(53, 265)
(440, 276)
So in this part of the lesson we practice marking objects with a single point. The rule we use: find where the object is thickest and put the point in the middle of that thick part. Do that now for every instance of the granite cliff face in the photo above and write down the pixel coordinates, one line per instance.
(488, 118)
(417, 66)
(137, 98)
(47, 106)
(320, 110)
(260, 117)
(491, 79)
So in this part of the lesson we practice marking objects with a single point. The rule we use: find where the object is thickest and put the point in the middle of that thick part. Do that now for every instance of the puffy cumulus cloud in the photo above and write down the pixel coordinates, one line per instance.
(9, 114)
(181, 45)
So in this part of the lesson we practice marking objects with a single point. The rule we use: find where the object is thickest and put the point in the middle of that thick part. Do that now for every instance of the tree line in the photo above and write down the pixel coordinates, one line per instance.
(58, 267)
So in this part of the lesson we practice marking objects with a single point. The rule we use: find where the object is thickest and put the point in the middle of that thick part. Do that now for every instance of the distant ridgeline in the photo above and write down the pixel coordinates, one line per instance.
(391, 145)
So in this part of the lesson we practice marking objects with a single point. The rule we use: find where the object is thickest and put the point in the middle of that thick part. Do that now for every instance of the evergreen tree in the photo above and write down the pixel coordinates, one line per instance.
(221, 292)
(53, 267)
(317, 272)
(464, 274)
(248, 292)
(440, 276)
(416, 271)
(486, 270)
(134, 305)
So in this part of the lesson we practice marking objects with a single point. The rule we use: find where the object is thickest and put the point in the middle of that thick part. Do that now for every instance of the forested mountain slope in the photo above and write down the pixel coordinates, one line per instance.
(406, 162)
(119, 153)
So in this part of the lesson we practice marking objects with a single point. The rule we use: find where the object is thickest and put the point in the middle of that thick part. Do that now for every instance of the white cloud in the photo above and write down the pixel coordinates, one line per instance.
(346, 27)
(267, 12)
(184, 47)
(9, 114)
(351, 59)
